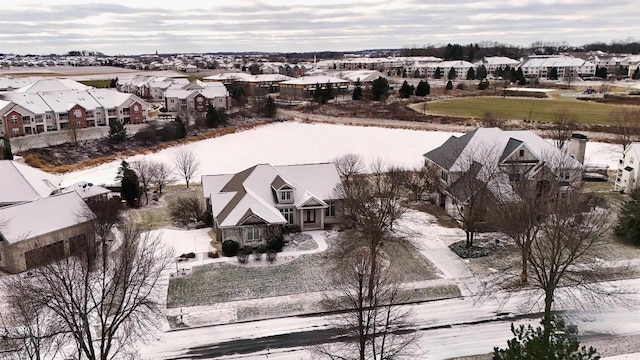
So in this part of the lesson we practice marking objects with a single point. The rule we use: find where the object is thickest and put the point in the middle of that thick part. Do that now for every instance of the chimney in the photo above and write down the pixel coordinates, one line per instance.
(577, 146)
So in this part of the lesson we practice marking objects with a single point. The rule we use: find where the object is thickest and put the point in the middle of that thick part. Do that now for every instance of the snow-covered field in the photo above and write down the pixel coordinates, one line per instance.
(297, 143)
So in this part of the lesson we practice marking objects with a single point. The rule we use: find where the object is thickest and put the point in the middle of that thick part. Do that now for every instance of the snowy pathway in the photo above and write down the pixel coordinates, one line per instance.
(433, 242)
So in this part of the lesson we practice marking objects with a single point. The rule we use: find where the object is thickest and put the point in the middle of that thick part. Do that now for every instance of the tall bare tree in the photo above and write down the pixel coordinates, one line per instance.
(106, 303)
(186, 164)
(563, 126)
(626, 122)
(372, 317)
(421, 180)
(163, 176)
(372, 203)
(146, 171)
(349, 165)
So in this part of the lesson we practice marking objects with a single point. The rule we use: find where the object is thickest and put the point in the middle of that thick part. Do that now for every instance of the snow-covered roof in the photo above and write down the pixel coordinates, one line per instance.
(498, 60)
(31, 102)
(265, 78)
(19, 223)
(362, 75)
(178, 93)
(46, 85)
(20, 182)
(227, 76)
(87, 190)
(62, 101)
(233, 196)
(312, 80)
(111, 98)
(556, 61)
(15, 83)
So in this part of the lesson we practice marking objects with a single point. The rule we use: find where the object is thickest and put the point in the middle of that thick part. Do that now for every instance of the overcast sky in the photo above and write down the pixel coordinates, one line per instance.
(144, 26)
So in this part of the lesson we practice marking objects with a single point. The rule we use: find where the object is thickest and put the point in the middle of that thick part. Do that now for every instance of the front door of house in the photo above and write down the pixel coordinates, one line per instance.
(309, 216)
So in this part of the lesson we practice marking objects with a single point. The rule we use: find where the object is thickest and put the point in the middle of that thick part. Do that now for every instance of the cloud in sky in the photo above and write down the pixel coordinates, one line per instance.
(140, 26)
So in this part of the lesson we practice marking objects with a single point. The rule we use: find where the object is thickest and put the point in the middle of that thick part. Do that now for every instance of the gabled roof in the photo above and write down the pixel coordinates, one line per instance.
(233, 195)
(446, 154)
(47, 85)
(312, 80)
(20, 182)
(512, 145)
(19, 224)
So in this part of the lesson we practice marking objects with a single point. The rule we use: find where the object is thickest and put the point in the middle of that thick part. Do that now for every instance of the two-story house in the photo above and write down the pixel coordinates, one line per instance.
(250, 206)
(495, 159)
(628, 176)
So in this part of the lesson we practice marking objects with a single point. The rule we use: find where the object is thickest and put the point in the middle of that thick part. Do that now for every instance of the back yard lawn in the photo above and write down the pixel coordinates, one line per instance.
(223, 282)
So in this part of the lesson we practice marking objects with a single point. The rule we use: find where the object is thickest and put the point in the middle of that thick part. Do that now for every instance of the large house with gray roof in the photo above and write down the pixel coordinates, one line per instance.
(250, 206)
(38, 223)
(496, 159)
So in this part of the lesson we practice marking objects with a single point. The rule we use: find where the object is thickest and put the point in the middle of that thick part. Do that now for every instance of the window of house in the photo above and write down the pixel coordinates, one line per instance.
(444, 175)
(15, 130)
(253, 233)
(521, 153)
(77, 113)
(331, 210)
(14, 119)
(47, 116)
(136, 108)
(79, 123)
(285, 195)
(288, 214)
(171, 101)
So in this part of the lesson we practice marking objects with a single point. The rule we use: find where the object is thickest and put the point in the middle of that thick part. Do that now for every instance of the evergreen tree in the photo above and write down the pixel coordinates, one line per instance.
(357, 90)
(437, 74)
(113, 83)
(628, 227)
(222, 116)
(449, 85)
(544, 344)
(452, 74)
(553, 73)
(117, 132)
(212, 117)
(483, 84)
(406, 90)
(7, 153)
(481, 73)
(471, 74)
(404, 73)
(380, 89)
(636, 74)
(601, 72)
(181, 129)
(129, 184)
(270, 108)
(423, 88)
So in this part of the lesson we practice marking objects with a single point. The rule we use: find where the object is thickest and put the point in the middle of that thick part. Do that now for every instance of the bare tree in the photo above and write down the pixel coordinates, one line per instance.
(73, 131)
(372, 203)
(189, 117)
(563, 257)
(421, 180)
(146, 171)
(186, 209)
(349, 165)
(373, 318)
(563, 126)
(106, 303)
(163, 176)
(29, 329)
(627, 125)
(186, 165)
(492, 119)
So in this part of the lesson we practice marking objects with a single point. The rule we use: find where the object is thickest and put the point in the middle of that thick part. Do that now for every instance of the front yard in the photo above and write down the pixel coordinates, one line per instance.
(223, 282)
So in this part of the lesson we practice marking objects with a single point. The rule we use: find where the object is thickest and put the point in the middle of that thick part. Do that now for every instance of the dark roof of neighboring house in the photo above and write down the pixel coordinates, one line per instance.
(512, 145)
(447, 154)
(467, 184)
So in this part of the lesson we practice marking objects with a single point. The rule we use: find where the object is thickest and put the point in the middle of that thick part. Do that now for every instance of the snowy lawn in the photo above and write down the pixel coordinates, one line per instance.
(299, 143)
(223, 282)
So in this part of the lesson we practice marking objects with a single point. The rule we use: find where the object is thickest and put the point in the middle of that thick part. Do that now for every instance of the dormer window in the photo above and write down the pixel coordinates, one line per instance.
(521, 153)
(285, 195)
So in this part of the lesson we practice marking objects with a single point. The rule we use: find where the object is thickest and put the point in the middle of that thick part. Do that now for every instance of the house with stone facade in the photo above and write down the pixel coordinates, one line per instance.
(251, 206)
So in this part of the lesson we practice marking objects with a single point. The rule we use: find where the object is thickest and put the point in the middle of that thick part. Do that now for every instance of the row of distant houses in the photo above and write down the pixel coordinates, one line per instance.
(54, 104)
